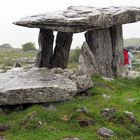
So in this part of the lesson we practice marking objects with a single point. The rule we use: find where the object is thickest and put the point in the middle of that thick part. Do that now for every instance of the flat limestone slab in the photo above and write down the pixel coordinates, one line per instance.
(18, 86)
(82, 18)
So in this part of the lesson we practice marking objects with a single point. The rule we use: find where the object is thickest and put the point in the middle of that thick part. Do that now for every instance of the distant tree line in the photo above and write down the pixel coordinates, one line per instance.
(29, 46)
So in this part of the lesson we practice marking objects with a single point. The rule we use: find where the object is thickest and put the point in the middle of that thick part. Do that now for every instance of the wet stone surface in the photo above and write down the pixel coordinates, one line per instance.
(19, 86)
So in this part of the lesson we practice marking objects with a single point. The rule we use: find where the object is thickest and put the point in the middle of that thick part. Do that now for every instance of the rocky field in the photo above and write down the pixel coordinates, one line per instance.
(108, 110)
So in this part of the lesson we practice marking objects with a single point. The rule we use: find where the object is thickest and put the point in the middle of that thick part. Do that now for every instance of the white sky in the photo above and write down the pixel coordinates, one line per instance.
(12, 10)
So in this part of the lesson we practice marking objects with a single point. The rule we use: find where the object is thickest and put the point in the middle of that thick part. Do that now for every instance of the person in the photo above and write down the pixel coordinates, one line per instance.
(126, 62)
(125, 53)
(130, 58)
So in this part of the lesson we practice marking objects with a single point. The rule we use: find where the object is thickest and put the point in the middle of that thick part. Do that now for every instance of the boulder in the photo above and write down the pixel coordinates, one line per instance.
(106, 97)
(2, 138)
(82, 110)
(82, 81)
(86, 122)
(87, 63)
(81, 69)
(36, 85)
(82, 18)
(105, 132)
(131, 100)
(50, 107)
(130, 116)
(17, 64)
(4, 127)
(108, 112)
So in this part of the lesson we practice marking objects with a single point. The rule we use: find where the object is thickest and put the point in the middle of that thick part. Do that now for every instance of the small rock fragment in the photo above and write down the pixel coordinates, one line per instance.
(131, 116)
(106, 97)
(105, 132)
(86, 122)
(83, 110)
(108, 112)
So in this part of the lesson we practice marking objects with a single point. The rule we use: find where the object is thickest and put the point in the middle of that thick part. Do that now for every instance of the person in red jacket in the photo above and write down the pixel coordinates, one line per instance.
(126, 61)
(125, 53)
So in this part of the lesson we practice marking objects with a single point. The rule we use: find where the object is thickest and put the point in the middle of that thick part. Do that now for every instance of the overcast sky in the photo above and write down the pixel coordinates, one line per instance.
(12, 10)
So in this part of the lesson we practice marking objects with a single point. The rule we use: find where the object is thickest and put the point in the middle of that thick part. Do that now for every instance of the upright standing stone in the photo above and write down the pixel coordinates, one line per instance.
(117, 49)
(87, 63)
(61, 53)
(99, 42)
(45, 41)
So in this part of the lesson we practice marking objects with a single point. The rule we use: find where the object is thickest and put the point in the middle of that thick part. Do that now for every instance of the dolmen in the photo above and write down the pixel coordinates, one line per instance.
(102, 53)
(103, 34)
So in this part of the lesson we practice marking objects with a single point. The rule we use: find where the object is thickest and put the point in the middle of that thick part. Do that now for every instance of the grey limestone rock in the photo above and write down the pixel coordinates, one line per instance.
(60, 56)
(2, 138)
(45, 52)
(108, 112)
(105, 132)
(86, 122)
(50, 107)
(36, 85)
(82, 110)
(131, 100)
(131, 116)
(82, 18)
(82, 81)
(87, 63)
(106, 97)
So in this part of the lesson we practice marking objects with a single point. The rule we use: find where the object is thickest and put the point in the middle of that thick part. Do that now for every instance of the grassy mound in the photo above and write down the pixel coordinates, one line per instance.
(80, 117)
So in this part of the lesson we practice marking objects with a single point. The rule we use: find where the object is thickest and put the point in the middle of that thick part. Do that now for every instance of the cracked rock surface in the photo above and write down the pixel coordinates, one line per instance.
(34, 86)
(82, 18)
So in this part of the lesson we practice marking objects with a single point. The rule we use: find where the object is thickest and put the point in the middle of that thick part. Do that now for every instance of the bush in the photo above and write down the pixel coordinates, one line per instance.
(29, 46)
(74, 56)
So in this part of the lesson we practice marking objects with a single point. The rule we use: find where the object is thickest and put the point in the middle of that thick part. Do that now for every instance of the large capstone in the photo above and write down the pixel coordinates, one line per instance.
(82, 18)
(18, 86)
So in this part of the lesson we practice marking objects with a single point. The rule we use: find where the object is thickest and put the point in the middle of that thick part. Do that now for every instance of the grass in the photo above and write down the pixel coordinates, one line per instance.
(37, 123)
(8, 58)
(136, 66)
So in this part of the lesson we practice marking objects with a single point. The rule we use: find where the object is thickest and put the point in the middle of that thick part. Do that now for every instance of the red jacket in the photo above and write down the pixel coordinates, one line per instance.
(125, 52)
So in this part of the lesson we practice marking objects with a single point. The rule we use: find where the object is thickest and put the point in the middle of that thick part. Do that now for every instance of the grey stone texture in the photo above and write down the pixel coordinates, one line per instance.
(87, 63)
(103, 35)
(18, 86)
(60, 56)
(82, 18)
(45, 52)
(108, 112)
(105, 132)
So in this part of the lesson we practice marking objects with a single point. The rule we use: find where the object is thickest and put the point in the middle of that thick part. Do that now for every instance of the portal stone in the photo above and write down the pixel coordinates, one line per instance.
(45, 41)
(99, 42)
(117, 50)
(60, 57)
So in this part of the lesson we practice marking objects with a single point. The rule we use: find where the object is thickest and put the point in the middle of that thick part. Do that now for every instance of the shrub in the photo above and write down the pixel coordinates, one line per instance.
(29, 46)
(74, 56)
